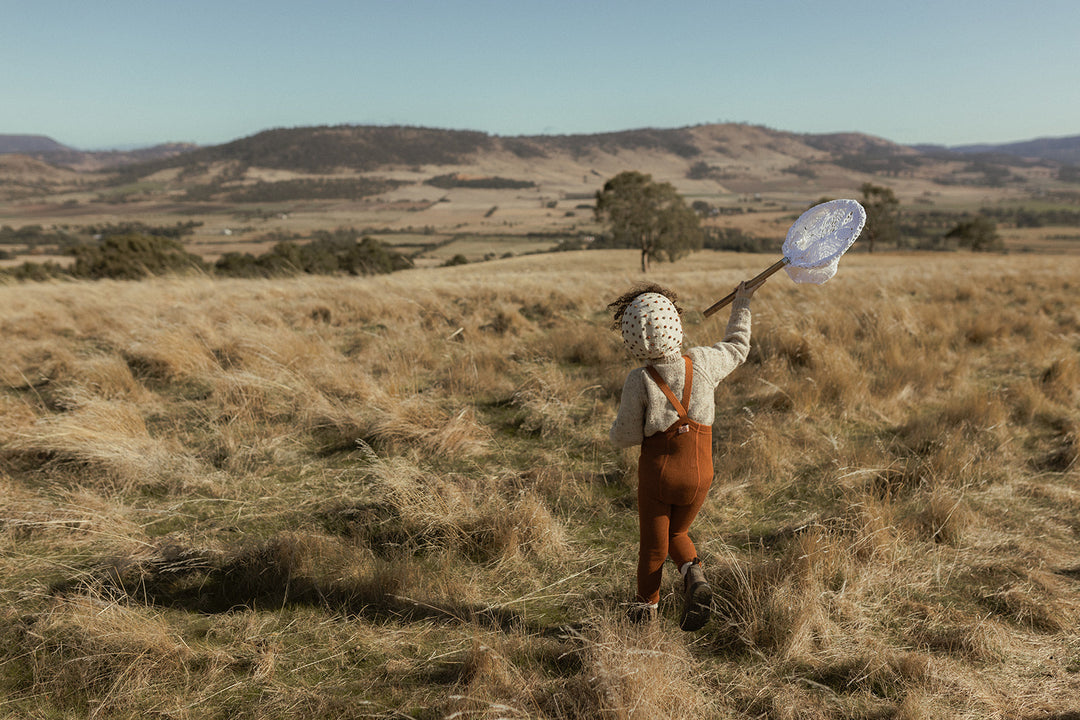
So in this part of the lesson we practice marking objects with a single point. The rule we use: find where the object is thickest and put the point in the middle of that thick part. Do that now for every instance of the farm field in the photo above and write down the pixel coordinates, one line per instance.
(432, 237)
(394, 496)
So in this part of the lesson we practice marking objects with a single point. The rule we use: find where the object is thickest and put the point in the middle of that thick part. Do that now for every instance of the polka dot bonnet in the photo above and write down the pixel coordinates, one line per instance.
(651, 328)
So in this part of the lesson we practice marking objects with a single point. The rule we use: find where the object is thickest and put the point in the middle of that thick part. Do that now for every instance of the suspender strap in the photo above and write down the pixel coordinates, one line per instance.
(688, 384)
(680, 408)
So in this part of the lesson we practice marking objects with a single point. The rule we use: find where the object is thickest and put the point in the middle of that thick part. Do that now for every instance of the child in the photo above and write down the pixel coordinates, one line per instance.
(675, 469)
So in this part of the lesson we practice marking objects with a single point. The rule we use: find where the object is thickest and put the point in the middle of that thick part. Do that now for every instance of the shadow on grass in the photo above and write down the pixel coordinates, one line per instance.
(272, 575)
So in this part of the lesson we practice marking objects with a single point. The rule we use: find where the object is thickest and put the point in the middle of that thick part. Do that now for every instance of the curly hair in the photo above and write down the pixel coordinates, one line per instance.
(618, 306)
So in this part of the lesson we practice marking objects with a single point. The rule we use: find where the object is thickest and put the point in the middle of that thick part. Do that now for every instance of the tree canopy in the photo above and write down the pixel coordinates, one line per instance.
(882, 215)
(648, 215)
(979, 233)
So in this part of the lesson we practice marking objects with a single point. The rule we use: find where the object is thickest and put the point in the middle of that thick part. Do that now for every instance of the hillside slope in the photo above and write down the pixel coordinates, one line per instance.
(367, 148)
(733, 158)
(21, 175)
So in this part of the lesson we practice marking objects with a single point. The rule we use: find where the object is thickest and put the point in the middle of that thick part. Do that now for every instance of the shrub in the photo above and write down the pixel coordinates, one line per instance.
(38, 272)
(702, 170)
(458, 259)
(179, 230)
(1032, 217)
(34, 236)
(455, 180)
(737, 240)
(803, 171)
(131, 257)
(328, 253)
(348, 189)
(238, 265)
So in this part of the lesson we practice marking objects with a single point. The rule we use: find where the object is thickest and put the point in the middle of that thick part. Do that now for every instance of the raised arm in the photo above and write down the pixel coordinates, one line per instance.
(723, 357)
(737, 334)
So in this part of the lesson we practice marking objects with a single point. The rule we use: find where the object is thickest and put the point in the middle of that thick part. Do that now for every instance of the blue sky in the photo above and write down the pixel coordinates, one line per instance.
(137, 72)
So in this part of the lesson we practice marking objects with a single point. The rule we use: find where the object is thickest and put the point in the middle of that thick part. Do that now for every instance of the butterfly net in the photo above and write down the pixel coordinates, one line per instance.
(819, 237)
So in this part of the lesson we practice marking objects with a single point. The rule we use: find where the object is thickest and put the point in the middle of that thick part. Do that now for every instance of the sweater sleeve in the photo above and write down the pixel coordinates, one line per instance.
(629, 426)
(737, 336)
(720, 359)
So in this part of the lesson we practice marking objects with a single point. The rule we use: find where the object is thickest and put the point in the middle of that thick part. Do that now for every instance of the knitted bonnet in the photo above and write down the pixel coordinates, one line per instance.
(651, 328)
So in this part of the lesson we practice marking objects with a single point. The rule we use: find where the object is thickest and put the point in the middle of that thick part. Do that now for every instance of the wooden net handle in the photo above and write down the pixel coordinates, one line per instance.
(755, 282)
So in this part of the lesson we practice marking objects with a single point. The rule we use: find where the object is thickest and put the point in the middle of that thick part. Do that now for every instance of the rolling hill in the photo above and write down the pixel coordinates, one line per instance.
(369, 148)
(322, 149)
(730, 158)
(54, 153)
(737, 158)
(1065, 150)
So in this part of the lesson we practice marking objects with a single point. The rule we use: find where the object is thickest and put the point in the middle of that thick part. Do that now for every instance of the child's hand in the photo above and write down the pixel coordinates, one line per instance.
(745, 292)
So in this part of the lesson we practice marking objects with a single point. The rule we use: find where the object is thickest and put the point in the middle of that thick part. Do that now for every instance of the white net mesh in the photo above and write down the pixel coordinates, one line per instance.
(819, 237)
(816, 275)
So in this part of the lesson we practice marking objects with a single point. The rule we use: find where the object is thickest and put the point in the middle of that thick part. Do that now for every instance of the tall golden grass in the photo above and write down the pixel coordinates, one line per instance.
(395, 497)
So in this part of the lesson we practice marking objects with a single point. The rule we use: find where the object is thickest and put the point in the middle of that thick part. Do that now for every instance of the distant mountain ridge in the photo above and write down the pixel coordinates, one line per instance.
(364, 148)
(711, 149)
(109, 159)
(46, 149)
(1065, 150)
(29, 144)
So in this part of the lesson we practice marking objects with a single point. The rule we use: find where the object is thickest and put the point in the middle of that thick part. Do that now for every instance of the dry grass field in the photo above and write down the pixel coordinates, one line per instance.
(394, 497)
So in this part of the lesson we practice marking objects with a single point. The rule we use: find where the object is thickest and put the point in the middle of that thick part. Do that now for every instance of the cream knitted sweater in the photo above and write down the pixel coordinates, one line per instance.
(644, 410)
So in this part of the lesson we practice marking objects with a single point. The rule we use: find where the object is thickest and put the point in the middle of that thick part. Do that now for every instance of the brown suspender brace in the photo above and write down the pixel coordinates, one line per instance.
(683, 408)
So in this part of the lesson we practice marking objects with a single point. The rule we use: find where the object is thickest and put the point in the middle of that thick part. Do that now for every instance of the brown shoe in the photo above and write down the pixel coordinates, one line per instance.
(697, 599)
(641, 613)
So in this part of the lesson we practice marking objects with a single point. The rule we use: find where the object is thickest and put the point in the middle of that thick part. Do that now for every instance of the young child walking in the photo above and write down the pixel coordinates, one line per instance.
(667, 407)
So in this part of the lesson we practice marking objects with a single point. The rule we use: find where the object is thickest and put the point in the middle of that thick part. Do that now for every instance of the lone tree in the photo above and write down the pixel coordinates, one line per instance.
(644, 214)
(882, 215)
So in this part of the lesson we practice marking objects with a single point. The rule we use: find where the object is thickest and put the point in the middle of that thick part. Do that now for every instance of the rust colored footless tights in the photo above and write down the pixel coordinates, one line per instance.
(674, 475)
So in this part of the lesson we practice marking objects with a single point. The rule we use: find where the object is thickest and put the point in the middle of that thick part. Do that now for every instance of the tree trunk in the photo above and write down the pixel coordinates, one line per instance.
(646, 251)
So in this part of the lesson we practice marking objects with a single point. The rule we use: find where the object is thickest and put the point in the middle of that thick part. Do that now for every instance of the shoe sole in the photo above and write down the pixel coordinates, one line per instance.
(697, 609)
